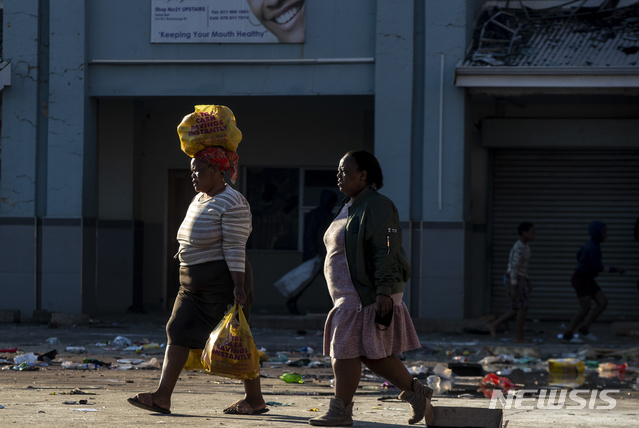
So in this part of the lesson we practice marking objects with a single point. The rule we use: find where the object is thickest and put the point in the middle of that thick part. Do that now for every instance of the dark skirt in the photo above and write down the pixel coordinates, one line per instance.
(584, 284)
(204, 297)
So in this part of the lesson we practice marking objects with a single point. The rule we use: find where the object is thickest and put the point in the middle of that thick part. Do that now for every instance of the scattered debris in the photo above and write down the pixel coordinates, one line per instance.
(566, 365)
(417, 370)
(121, 341)
(292, 378)
(492, 382)
(71, 402)
(514, 351)
(278, 404)
(78, 391)
(48, 356)
(29, 358)
(302, 362)
(70, 365)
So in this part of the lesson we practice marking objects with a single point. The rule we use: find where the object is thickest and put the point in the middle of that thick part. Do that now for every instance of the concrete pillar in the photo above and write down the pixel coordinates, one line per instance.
(68, 237)
(393, 98)
(48, 161)
(20, 117)
(443, 235)
(67, 102)
(393, 107)
(20, 111)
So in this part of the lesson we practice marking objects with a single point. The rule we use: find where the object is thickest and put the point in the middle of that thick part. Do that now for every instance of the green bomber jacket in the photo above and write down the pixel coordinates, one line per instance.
(376, 259)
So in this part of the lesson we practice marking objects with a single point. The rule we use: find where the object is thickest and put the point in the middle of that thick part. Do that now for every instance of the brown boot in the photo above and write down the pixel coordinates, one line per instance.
(419, 399)
(338, 415)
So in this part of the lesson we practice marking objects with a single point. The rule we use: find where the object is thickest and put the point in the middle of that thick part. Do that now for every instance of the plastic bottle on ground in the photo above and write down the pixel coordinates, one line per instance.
(433, 382)
(443, 371)
(292, 378)
(70, 365)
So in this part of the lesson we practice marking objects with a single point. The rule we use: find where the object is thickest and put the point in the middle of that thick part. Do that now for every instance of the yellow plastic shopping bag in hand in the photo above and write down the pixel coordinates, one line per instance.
(231, 351)
(209, 125)
(194, 362)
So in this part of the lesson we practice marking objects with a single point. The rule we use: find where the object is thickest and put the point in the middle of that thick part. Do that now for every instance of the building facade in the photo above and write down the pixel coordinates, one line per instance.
(93, 183)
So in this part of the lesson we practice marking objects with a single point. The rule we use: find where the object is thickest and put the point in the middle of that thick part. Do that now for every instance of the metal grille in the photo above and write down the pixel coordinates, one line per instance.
(560, 192)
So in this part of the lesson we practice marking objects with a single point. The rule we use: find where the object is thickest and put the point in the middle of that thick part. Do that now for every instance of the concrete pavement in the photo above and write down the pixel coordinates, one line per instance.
(35, 398)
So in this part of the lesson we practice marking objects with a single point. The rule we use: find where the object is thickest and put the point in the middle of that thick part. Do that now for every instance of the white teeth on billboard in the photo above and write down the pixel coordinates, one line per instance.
(287, 16)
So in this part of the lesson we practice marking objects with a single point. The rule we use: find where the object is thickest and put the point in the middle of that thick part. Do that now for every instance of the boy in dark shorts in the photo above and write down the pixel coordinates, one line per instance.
(589, 265)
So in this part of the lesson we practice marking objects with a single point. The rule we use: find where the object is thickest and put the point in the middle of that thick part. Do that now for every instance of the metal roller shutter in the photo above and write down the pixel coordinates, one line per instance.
(560, 191)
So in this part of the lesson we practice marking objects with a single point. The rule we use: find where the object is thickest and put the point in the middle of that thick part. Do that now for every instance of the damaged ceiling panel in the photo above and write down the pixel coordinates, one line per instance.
(571, 37)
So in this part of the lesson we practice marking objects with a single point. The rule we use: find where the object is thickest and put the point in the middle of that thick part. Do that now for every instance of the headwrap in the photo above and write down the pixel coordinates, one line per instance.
(224, 159)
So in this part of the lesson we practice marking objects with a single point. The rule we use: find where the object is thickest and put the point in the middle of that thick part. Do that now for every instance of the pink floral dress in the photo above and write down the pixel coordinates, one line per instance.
(350, 330)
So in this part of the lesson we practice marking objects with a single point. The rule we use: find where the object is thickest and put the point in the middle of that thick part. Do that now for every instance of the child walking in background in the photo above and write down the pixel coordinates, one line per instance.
(589, 265)
(517, 283)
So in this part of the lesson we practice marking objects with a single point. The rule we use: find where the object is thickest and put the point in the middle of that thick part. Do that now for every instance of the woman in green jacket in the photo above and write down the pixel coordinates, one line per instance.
(366, 268)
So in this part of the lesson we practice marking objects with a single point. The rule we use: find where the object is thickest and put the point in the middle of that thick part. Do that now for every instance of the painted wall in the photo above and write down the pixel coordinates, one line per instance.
(120, 30)
(89, 153)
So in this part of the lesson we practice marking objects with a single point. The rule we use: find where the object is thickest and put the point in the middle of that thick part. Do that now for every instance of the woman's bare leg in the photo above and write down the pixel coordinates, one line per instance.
(391, 369)
(253, 394)
(347, 375)
(175, 357)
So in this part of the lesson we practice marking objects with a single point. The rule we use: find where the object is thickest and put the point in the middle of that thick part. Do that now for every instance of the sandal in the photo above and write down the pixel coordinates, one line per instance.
(135, 401)
(242, 407)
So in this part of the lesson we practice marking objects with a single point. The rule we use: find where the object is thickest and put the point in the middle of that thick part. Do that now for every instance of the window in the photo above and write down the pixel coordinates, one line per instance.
(278, 210)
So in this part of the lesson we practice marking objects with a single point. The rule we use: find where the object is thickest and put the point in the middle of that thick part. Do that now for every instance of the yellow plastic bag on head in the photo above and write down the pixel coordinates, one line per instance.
(209, 125)
(230, 350)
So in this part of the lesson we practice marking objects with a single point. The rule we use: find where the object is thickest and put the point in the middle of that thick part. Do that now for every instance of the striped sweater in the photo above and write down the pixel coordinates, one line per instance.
(216, 229)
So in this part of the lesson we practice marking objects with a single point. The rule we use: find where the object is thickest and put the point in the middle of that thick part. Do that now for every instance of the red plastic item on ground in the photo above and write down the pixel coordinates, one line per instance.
(612, 367)
(492, 382)
(9, 350)
(611, 370)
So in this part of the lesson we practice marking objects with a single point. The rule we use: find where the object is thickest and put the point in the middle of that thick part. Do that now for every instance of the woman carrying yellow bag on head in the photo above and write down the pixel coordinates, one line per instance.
(214, 270)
